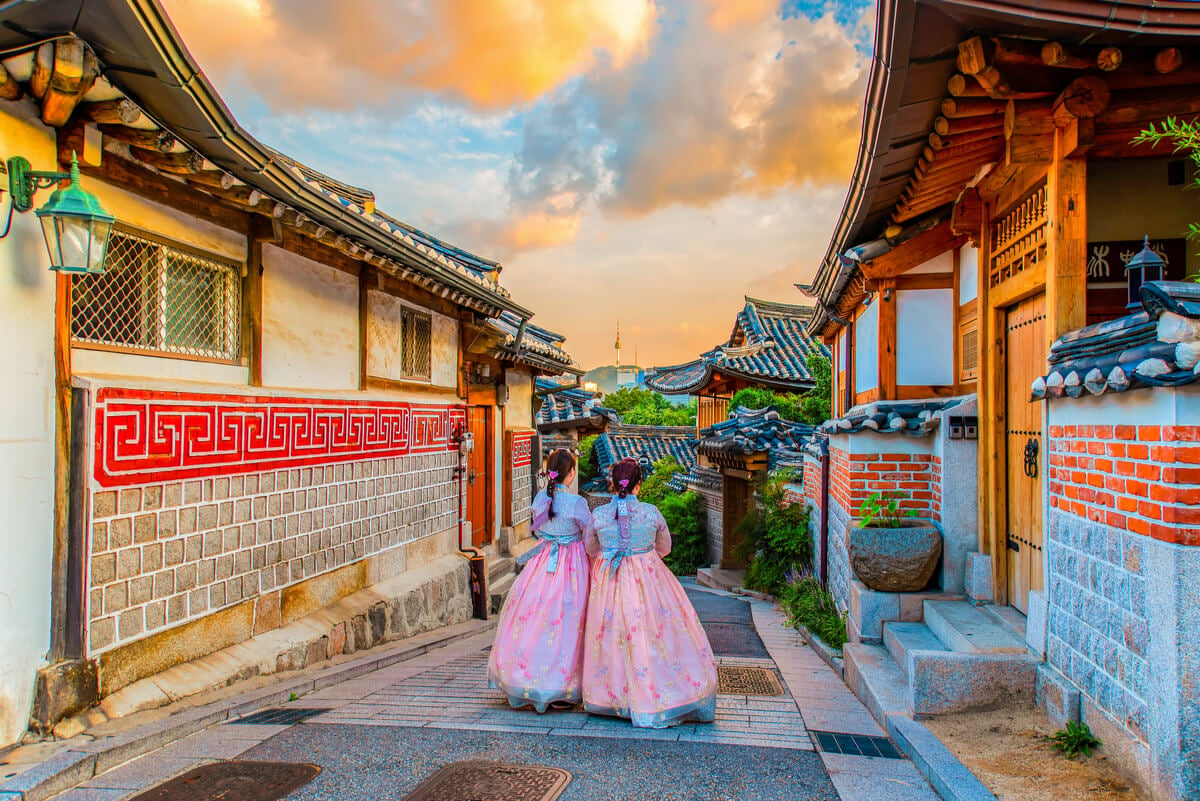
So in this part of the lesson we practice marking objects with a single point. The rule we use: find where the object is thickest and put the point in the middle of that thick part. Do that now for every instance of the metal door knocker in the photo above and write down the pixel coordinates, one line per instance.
(1031, 457)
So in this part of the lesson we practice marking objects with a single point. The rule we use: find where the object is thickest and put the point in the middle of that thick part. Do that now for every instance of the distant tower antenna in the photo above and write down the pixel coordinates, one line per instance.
(618, 345)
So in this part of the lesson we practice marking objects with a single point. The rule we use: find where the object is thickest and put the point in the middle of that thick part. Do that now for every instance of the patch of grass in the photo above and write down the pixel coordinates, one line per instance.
(1075, 738)
(808, 605)
(292, 696)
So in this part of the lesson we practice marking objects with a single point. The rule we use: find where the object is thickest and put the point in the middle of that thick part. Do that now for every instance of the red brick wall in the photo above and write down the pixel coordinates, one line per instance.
(1144, 479)
(855, 477)
(812, 481)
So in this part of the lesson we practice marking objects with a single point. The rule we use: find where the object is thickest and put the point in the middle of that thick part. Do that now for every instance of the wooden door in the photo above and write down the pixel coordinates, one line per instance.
(479, 475)
(1025, 355)
(735, 504)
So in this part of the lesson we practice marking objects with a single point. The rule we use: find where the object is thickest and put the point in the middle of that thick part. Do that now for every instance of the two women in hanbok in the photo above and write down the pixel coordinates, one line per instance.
(629, 644)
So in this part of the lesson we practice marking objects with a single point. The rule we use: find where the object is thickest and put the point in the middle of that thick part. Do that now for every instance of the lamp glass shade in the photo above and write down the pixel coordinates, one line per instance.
(76, 227)
(76, 244)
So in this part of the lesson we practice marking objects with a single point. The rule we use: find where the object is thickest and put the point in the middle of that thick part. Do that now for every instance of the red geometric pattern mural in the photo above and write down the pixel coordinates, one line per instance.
(522, 448)
(144, 437)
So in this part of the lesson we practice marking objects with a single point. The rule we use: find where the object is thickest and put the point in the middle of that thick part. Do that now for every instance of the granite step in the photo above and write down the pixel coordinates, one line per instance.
(499, 568)
(901, 639)
(877, 680)
(968, 629)
(498, 592)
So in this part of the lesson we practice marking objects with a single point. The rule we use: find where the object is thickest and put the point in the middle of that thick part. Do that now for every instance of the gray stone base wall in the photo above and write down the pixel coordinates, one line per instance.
(713, 521)
(1098, 633)
(165, 554)
(839, 559)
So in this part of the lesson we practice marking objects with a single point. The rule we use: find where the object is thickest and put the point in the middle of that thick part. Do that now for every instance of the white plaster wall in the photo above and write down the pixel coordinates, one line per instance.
(868, 442)
(310, 323)
(519, 409)
(1158, 407)
(925, 337)
(444, 370)
(145, 215)
(866, 349)
(27, 290)
(1129, 199)
(98, 362)
(941, 263)
(968, 281)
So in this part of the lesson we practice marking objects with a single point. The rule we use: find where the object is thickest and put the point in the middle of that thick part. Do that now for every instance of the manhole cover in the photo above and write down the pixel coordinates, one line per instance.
(732, 680)
(234, 781)
(285, 716)
(492, 781)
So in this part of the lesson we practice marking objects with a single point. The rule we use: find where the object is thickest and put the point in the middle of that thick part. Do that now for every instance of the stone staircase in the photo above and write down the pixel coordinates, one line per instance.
(502, 566)
(959, 657)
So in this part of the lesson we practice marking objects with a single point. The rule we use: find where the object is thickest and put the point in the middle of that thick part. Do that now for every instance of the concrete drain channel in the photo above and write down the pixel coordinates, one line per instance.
(492, 781)
(234, 781)
(734, 680)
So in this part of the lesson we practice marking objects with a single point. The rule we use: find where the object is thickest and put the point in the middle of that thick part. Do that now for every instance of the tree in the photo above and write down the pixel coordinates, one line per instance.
(643, 407)
(817, 405)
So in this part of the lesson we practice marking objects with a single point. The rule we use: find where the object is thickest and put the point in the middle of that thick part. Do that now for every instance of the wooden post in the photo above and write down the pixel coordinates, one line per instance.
(888, 297)
(1066, 243)
(366, 279)
(62, 465)
(990, 346)
(260, 231)
(956, 322)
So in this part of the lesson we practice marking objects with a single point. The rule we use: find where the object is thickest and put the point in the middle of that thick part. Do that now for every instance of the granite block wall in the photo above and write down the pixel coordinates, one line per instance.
(165, 554)
(1098, 628)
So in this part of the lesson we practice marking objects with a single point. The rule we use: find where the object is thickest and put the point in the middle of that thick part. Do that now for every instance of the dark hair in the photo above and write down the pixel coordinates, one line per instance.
(626, 475)
(558, 465)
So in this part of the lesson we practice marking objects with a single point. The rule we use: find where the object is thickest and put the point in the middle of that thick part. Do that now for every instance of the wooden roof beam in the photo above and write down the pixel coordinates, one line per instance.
(182, 163)
(9, 88)
(912, 253)
(113, 112)
(1136, 107)
(74, 69)
(943, 126)
(159, 140)
(958, 107)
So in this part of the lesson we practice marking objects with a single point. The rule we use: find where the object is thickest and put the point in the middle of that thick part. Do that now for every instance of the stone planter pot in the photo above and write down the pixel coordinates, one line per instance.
(895, 559)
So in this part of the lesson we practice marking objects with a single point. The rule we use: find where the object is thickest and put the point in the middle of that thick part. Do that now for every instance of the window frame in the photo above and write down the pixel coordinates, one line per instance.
(409, 311)
(154, 307)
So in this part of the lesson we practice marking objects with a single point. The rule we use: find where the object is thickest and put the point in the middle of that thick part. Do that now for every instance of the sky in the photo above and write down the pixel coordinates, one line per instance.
(643, 161)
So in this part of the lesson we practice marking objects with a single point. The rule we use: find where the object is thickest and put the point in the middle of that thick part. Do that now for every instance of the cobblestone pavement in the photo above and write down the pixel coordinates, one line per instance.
(381, 734)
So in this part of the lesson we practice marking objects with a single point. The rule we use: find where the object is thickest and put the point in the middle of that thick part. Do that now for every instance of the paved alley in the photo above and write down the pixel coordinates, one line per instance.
(380, 735)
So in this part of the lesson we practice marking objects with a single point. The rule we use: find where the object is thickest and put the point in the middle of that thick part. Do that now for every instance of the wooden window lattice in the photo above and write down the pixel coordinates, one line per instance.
(417, 355)
(157, 298)
(969, 335)
(1019, 239)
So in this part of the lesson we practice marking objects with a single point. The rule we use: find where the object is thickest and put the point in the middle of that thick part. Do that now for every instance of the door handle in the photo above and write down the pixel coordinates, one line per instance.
(471, 477)
(1031, 457)
(1013, 545)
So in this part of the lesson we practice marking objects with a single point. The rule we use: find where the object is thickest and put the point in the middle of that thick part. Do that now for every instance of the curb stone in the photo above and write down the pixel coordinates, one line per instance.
(79, 763)
(949, 778)
(828, 655)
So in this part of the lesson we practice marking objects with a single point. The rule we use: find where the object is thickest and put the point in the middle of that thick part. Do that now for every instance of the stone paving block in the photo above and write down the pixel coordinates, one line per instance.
(859, 778)
(949, 777)
(145, 772)
(84, 794)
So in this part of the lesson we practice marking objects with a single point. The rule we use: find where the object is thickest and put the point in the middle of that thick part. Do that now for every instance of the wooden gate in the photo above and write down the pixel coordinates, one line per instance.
(1025, 349)
(737, 495)
(479, 476)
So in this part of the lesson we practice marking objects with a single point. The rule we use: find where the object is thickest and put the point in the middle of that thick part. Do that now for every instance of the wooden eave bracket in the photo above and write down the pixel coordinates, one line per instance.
(912, 253)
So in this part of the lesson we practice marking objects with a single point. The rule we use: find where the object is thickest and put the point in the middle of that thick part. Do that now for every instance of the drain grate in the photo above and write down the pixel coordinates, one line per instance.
(244, 781)
(856, 745)
(734, 680)
(283, 716)
(492, 781)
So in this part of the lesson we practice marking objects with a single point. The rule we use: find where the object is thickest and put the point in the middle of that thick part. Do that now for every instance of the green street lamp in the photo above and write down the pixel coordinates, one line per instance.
(75, 224)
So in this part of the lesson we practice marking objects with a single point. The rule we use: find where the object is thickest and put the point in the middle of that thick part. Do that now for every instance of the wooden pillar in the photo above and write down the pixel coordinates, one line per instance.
(1066, 241)
(991, 429)
(260, 231)
(62, 465)
(888, 298)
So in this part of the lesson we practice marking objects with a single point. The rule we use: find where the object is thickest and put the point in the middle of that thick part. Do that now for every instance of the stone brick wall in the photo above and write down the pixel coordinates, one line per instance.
(1139, 478)
(713, 506)
(1098, 629)
(854, 477)
(165, 554)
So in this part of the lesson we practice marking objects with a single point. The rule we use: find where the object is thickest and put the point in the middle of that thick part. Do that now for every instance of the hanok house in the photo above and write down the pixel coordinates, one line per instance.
(566, 413)
(768, 347)
(742, 449)
(995, 202)
(644, 444)
(256, 405)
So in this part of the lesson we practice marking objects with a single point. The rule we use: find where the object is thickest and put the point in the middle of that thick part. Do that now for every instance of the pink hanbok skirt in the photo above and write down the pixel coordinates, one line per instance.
(647, 656)
(537, 658)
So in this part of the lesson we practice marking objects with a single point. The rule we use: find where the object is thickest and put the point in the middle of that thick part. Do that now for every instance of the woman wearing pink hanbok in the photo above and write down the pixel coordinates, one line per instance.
(537, 658)
(647, 656)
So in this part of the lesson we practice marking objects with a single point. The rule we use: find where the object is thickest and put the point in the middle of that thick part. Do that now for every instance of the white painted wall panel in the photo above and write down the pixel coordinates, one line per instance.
(925, 337)
(941, 263)
(866, 349)
(310, 323)
(445, 351)
(27, 289)
(968, 281)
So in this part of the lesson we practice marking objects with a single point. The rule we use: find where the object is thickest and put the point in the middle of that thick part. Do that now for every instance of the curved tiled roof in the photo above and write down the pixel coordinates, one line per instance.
(769, 345)
(539, 346)
(750, 431)
(646, 444)
(570, 406)
(1154, 347)
(914, 418)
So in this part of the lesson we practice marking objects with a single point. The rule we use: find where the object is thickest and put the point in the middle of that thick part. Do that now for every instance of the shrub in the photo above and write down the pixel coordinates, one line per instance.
(684, 515)
(775, 536)
(808, 605)
(812, 407)
(586, 465)
(654, 487)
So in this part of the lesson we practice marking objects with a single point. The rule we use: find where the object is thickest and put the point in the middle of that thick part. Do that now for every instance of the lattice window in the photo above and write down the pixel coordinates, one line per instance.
(416, 359)
(1019, 239)
(155, 298)
(969, 342)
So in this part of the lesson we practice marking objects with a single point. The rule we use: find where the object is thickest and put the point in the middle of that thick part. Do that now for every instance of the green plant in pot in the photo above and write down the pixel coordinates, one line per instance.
(890, 550)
